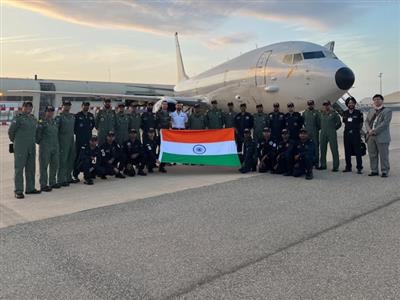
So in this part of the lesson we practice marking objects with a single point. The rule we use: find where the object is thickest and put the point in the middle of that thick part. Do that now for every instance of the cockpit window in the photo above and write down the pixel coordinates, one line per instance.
(291, 59)
(330, 54)
(313, 55)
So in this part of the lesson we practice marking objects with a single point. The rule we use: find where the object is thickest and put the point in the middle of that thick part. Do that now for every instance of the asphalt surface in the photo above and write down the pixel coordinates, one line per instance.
(263, 237)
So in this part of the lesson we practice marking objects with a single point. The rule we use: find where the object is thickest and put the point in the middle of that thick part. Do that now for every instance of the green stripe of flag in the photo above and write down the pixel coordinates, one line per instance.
(229, 160)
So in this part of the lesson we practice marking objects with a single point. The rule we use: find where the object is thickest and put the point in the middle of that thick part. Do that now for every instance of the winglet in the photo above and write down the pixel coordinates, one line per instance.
(181, 68)
(330, 45)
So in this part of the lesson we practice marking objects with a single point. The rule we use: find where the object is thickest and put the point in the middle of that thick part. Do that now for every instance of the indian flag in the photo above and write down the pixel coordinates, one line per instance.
(215, 147)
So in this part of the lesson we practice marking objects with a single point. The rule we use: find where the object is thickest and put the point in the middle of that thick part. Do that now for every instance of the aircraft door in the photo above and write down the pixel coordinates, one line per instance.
(261, 69)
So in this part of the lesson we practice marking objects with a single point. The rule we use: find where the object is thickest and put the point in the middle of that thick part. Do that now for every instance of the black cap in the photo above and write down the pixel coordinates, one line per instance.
(327, 102)
(276, 104)
(27, 103)
(121, 104)
(196, 105)
(151, 130)
(290, 104)
(107, 100)
(230, 103)
(85, 103)
(310, 102)
(150, 103)
(266, 129)
(284, 131)
(259, 105)
(49, 108)
(214, 102)
(243, 105)
(246, 130)
(133, 130)
(303, 130)
(66, 102)
(111, 133)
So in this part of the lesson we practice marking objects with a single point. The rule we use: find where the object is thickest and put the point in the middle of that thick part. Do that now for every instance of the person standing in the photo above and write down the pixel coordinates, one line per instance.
(214, 116)
(84, 124)
(21, 133)
(163, 117)
(243, 121)
(312, 123)
(378, 136)
(260, 122)
(178, 118)
(66, 125)
(105, 121)
(47, 139)
(293, 122)
(353, 120)
(330, 123)
(148, 119)
(276, 121)
(197, 120)
(122, 125)
(135, 121)
(229, 116)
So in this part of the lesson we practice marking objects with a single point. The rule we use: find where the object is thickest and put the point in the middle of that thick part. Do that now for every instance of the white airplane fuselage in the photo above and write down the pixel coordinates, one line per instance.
(271, 74)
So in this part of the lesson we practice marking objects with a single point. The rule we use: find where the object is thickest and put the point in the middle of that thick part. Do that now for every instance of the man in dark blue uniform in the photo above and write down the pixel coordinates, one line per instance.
(149, 119)
(88, 161)
(133, 155)
(243, 120)
(353, 122)
(267, 150)
(293, 122)
(111, 155)
(284, 159)
(304, 156)
(276, 122)
(151, 150)
(249, 152)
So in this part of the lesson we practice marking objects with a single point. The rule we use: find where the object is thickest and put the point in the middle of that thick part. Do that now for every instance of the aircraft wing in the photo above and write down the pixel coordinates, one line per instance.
(188, 101)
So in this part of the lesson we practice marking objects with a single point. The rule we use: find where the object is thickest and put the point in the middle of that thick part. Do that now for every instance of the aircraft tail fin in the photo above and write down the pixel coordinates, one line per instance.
(330, 45)
(181, 68)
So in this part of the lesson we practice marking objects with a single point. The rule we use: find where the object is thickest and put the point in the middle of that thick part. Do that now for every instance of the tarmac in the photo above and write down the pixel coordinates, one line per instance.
(205, 233)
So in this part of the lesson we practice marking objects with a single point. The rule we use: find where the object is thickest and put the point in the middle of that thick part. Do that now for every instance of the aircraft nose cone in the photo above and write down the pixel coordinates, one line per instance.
(344, 78)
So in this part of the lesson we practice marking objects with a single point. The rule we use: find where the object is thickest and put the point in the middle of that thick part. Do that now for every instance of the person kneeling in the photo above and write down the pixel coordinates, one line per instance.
(249, 152)
(151, 150)
(304, 156)
(284, 159)
(133, 155)
(88, 161)
(110, 157)
(267, 152)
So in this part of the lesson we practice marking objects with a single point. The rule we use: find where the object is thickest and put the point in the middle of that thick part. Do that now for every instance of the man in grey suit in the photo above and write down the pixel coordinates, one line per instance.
(378, 136)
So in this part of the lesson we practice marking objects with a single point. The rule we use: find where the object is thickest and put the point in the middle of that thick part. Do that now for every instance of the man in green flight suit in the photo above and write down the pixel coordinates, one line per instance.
(66, 125)
(105, 121)
(22, 134)
(260, 122)
(47, 139)
(229, 116)
(197, 120)
(330, 123)
(122, 125)
(135, 121)
(162, 117)
(312, 123)
(214, 117)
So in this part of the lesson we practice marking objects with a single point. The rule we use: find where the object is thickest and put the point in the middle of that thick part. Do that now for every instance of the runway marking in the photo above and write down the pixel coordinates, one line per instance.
(233, 270)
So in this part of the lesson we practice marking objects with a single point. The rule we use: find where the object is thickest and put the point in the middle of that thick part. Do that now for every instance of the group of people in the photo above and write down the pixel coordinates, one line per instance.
(127, 141)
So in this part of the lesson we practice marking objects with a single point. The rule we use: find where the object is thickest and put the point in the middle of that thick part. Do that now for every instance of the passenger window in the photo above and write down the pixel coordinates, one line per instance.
(297, 58)
(287, 59)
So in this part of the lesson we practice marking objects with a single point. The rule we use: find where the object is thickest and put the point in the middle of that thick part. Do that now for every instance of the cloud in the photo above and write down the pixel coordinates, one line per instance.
(27, 38)
(236, 38)
(189, 17)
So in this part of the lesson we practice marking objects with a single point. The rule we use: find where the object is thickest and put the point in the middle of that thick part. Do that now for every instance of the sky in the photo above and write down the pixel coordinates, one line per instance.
(133, 41)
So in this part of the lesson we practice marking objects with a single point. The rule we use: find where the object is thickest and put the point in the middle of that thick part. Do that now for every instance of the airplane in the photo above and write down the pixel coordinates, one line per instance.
(291, 71)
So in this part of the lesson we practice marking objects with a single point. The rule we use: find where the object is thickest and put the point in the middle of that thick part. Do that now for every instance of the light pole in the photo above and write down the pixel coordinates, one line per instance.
(380, 82)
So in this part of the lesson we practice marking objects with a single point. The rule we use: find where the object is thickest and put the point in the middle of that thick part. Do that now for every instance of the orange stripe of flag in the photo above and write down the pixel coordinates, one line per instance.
(198, 136)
